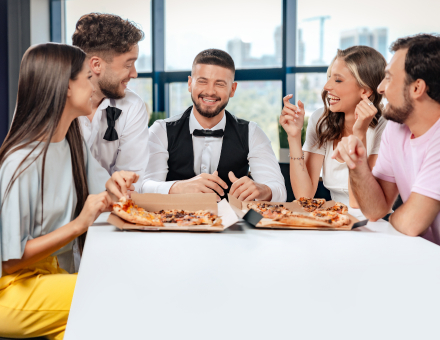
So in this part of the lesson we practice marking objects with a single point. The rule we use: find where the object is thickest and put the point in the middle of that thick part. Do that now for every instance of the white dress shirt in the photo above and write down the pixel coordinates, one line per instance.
(263, 164)
(130, 151)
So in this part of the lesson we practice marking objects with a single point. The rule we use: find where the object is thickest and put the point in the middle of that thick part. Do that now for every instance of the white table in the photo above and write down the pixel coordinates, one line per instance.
(374, 283)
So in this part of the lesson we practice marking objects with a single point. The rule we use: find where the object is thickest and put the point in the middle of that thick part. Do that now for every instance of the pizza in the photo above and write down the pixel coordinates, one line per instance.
(268, 210)
(182, 217)
(320, 217)
(331, 217)
(339, 208)
(310, 204)
(127, 210)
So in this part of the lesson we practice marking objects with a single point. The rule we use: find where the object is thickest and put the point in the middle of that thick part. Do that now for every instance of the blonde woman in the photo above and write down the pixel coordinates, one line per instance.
(352, 106)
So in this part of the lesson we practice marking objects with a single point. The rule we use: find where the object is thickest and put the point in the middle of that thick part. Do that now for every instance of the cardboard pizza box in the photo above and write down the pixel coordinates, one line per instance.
(191, 202)
(241, 208)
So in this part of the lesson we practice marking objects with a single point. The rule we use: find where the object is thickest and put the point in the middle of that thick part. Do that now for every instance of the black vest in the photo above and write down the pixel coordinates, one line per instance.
(233, 157)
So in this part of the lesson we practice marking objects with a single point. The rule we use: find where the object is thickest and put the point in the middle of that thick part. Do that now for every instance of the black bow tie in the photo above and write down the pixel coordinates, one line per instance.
(208, 133)
(113, 114)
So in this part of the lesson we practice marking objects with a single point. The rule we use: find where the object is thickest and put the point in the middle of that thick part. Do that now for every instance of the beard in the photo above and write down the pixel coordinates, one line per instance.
(210, 112)
(399, 114)
(110, 88)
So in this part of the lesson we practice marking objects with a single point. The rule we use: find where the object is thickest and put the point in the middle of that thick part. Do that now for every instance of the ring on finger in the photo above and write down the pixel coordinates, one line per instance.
(370, 103)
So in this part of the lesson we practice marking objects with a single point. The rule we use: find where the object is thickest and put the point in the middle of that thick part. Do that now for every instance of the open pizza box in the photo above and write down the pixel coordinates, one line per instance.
(190, 202)
(241, 209)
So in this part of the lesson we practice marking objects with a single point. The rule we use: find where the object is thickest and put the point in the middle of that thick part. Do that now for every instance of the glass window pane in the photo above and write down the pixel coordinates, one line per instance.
(249, 30)
(308, 89)
(141, 16)
(324, 27)
(144, 89)
(257, 101)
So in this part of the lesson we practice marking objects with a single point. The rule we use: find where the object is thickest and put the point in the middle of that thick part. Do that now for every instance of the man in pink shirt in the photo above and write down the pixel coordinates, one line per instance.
(409, 156)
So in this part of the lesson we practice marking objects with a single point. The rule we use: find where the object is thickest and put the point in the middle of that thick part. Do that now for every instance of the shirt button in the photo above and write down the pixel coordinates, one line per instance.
(206, 144)
(203, 167)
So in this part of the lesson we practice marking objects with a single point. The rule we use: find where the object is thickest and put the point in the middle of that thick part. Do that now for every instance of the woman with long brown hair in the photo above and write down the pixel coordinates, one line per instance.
(51, 191)
(352, 105)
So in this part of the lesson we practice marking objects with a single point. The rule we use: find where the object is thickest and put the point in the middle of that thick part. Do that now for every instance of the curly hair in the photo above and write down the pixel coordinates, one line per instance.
(106, 34)
(422, 61)
(368, 67)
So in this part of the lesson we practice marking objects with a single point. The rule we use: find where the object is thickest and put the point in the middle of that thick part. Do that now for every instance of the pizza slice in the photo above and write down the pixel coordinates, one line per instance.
(185, 218)
(339, 208)
(310, 204)
(335, 219)
(268, 210)
(127, 210)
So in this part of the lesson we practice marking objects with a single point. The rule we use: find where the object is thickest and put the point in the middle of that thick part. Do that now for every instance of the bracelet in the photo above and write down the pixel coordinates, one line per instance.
(297, 158)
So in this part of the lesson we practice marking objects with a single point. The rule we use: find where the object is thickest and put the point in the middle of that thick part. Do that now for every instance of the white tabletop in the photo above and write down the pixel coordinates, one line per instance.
(374, 283)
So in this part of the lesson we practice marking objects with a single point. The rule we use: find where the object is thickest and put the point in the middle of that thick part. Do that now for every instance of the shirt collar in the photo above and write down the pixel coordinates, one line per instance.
(194, 124)
(105, 102)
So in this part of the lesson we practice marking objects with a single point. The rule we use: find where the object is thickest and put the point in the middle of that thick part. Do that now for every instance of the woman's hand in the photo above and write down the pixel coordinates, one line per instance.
(292, 117)
(364, 114)
(93, 207)
(121, 182)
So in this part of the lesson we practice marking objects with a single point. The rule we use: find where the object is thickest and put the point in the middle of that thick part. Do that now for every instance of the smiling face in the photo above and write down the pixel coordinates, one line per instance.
(117, 73)
(396, 90)
(80, 92)
(211, 87)
(343, 90)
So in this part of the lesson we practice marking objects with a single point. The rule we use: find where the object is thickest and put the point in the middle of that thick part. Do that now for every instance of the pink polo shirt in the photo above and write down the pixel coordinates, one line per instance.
(413, 164)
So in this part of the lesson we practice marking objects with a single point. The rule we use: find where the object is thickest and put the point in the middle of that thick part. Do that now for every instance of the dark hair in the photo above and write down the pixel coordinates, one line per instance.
(41, 100)
(422, 61)
(215, 57)
(105, 34)
(368, 67)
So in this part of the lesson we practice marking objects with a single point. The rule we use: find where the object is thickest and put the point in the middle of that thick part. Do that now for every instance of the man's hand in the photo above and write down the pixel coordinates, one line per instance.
(351, 150)
(246, 189)
(121, 182)
(364, 114)
(203, 183)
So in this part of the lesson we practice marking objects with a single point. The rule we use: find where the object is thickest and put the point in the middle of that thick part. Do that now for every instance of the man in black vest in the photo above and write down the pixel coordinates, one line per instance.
(207, 149)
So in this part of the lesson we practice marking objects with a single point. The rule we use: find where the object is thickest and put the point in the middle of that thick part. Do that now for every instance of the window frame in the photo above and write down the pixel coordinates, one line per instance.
(161, 78)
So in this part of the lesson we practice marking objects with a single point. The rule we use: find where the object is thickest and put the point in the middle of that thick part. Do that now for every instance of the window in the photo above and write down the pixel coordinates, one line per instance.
(74, 9)
(324, 27)
(249, 30)
(308, 89)
(143, 87)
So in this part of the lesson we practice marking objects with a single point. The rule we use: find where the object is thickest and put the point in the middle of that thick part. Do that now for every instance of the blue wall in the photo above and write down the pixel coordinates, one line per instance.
(4, 106)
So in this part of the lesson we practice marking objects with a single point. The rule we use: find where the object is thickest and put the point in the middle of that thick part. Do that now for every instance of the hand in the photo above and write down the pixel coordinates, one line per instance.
(292, 117)
(246, 189)
(121, 182)
(351, 150)
(203, 183)
(93, 207)
(364, 114)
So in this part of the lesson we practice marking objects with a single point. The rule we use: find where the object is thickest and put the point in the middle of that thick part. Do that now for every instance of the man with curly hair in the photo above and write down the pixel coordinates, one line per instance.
(117, 130)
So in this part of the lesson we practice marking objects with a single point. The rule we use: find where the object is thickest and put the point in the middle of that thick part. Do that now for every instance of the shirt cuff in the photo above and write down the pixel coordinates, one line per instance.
(278, 194)
(154, 187)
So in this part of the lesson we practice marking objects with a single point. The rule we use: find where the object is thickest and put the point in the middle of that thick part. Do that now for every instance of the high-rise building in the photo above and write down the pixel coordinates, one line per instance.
(375, 38)
(239, 50)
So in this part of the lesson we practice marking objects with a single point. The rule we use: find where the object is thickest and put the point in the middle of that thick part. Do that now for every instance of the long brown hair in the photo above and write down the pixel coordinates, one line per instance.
(45, 72)
(368, 67)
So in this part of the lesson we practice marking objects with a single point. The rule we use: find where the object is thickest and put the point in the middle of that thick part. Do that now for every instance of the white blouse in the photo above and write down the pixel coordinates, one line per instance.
(334, 173)
(20, 217)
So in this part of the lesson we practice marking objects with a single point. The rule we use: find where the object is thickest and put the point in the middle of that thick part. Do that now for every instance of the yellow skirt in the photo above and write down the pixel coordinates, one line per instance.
(35, 301)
